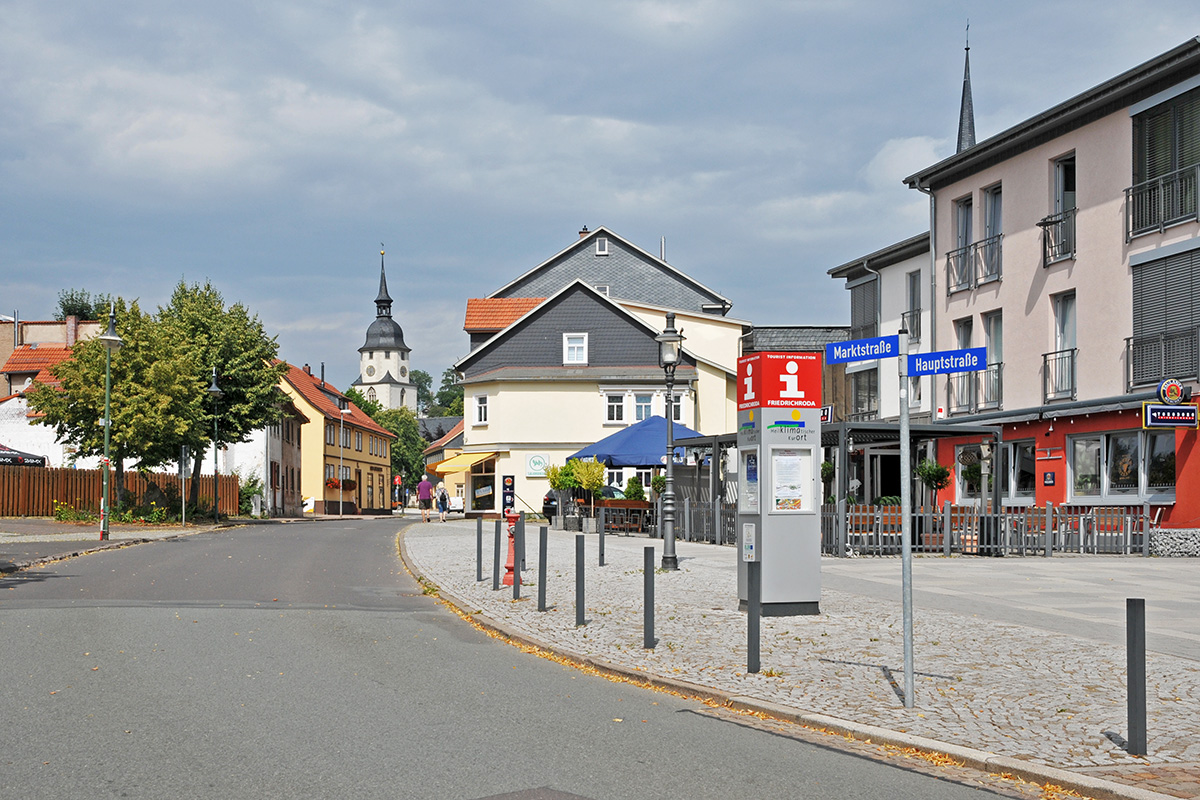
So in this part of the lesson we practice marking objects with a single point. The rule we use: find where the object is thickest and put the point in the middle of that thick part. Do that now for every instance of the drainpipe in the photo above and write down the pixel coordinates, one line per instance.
(932, 341)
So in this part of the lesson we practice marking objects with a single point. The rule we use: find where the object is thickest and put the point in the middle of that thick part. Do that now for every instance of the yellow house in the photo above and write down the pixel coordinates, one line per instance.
(347, 456)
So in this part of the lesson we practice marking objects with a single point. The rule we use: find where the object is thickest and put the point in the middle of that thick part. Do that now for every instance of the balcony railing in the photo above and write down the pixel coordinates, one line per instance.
(1159, 203)
(1058, 375)
(974, 264)
(991, 386)
(911, 320)
(987, 259)
(1173, 354)
(1058, 237)
(960, 393)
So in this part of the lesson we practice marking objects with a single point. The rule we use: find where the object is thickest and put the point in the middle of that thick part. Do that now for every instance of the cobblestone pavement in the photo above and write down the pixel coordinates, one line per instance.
(1034, 695)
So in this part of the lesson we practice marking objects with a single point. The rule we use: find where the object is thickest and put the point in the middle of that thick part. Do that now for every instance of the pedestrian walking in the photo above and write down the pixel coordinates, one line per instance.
(443, 501)
(425, 497)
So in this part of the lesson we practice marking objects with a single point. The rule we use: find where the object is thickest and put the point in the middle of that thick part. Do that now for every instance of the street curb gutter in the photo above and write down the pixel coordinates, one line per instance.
(17, 566)
(1086, 785)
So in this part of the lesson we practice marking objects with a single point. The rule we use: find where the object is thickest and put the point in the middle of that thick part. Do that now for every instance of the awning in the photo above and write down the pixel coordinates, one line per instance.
(459, 463)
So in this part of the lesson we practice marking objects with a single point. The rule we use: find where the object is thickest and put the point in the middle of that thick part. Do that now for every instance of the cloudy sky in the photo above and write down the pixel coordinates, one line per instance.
(272, 146)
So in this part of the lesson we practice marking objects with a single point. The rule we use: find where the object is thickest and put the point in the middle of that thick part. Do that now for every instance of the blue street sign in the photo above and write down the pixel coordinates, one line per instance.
(862, 349)
(972, 359)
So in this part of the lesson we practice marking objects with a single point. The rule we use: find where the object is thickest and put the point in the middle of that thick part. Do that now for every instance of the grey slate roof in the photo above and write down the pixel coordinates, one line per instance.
(793, 338)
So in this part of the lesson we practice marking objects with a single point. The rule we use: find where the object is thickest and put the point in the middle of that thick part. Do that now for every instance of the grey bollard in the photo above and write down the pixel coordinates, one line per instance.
(543, 537)
(479, 549)
(579, 620)
(496, 561)
(648, 592)
(1135, 646)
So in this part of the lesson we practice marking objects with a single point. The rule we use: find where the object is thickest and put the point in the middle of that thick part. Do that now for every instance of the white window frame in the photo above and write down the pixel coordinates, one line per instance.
(602, 246)
(610, 407)
(642, 410)
(575, 354)
(481, 410)
(1104, 493)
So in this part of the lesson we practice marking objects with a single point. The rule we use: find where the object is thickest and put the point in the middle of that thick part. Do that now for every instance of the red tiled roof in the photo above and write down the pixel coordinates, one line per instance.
(309, 387)
(497, 313)
(35, 357)
(440, 444)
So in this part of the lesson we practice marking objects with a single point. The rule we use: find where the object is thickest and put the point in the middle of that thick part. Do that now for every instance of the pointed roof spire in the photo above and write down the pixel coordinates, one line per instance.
(966, 114)
(383, 302)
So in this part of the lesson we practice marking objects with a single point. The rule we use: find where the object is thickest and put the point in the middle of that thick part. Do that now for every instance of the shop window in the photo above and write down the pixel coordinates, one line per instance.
(1124, 466)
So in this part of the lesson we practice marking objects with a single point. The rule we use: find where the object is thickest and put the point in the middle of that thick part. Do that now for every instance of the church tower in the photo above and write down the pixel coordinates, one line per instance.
(383, 360)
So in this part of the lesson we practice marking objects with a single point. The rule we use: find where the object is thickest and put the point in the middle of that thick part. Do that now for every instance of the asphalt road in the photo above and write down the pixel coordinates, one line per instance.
(302, 661)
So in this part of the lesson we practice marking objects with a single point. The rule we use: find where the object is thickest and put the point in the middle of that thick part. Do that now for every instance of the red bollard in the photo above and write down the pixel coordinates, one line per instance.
(511, 517)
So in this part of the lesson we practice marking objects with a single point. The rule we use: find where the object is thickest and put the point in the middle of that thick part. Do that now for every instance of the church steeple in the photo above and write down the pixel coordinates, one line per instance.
(383, 302)
(966, 114)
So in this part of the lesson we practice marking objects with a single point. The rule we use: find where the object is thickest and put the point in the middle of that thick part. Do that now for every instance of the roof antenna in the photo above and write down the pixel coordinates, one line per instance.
(662, 249)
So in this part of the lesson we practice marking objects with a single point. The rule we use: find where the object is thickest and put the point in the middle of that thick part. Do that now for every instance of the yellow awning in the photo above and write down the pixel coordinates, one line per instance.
(459, 463)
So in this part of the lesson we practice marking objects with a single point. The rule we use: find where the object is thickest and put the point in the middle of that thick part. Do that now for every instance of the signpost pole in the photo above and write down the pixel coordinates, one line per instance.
(906, 521)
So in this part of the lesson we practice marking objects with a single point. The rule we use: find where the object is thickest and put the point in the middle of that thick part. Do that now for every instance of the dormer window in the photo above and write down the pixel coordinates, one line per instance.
(601, 246)
(575, 348)
(602, 288)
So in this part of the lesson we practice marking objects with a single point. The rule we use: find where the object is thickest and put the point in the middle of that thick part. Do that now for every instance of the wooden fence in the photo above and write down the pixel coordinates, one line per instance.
(33, 491)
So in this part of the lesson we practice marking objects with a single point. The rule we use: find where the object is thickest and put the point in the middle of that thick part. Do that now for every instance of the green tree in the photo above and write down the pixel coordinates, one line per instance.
(80, 303)
(232, 341)
(448, 402)
(369, 407)
(634, 489)
(407, 460)
(424, 383)
(152, 400)
(590, 475)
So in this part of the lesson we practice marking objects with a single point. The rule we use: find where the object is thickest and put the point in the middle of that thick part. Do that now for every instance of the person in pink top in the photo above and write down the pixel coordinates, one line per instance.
(425, 497)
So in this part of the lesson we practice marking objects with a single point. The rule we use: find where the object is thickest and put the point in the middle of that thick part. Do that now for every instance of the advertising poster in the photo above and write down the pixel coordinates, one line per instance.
(748, 490)
(791, 470)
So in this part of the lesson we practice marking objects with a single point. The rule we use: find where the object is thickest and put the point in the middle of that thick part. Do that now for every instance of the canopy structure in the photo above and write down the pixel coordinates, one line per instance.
(15, 458)
(459, 463)
(640, 445)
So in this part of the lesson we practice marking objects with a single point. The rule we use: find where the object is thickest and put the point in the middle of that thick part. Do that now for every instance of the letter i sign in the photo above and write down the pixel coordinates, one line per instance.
(750, 381)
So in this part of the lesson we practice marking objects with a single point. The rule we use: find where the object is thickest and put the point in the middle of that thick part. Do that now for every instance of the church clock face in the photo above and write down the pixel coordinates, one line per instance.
(404, 372)
(370, 371)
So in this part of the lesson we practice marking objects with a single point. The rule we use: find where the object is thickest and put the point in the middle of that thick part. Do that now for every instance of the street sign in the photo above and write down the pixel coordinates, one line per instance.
(942, 362)
(863, 349)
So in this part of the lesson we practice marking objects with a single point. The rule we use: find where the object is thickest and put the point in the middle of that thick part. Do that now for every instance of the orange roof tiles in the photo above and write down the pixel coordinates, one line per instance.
(497, 313)
(36, 357)
(309, 387)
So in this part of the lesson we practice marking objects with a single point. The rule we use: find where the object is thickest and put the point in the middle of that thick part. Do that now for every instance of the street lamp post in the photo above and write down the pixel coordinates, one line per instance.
(669, 343)
(111, 342)
(341, 457)
(216, 393)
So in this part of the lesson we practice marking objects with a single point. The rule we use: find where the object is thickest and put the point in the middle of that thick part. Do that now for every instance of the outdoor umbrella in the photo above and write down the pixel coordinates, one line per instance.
(15, 458)
(641, 445)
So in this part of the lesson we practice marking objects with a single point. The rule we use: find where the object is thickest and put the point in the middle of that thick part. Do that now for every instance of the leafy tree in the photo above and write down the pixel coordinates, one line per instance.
(423, 381)
(590, 475)
(369, 407)
(80, 303)
(448, 402)
(152, 400)
(233, 341)
(658, 483)
(634, 489)
(407, 460)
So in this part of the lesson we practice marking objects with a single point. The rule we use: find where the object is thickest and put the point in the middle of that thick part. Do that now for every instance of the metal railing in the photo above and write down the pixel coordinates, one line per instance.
(1172, 354)
(991, 386)
(1156, 204)
(974, 264)
(911, 320)
(988, 261)
(1058, 375)
(1058, 237)
(849, 531)
(960, 393)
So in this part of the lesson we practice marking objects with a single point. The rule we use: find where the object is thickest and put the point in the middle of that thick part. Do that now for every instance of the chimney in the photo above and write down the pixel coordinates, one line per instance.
(322, 374)
(583, 232)
(72, 330)
(307, 369)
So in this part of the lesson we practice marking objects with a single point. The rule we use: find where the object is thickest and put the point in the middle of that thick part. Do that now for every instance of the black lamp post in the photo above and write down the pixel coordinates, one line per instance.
(112, 342)
(669, 343)
(216, 393)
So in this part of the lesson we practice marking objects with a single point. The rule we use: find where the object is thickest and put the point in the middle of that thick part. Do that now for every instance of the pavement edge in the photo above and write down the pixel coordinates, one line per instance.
(1089, 786)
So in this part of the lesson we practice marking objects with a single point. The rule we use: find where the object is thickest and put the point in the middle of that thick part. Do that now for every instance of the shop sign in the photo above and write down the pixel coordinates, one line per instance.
(1160, 415)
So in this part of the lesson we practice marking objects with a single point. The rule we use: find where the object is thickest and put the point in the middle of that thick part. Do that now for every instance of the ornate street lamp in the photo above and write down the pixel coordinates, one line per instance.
(216, 393)
(669, 343)
(112, 342)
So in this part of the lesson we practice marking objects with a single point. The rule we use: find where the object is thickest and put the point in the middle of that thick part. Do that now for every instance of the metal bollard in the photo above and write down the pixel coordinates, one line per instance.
(1135, 647)
(496, 561)
(479, 549)
(753, 614)
(579, 621)
(648, 592)
(521, 541)
(600, 527)
(543, 537)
